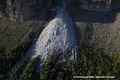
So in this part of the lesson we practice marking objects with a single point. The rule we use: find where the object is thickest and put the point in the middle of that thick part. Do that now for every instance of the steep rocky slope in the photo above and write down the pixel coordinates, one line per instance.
(16, 9)
(12, 34)
(58, 35)
(97, 5)
(97, 28)
(19, 10)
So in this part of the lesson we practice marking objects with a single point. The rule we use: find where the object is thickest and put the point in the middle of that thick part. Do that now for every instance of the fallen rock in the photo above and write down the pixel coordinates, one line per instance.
(58, 34)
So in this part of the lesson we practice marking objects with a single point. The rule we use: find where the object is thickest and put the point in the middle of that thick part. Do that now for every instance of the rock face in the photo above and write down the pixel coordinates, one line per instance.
(97, 5)
(2, 5)
(22, 9)
(98, 28)
(95, 26)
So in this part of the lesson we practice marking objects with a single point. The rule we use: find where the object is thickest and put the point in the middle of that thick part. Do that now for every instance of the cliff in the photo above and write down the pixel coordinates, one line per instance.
(97, 5)
(97, 28)
(20, 10)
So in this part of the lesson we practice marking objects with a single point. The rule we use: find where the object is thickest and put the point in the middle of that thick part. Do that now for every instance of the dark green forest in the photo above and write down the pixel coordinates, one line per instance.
(90, 62)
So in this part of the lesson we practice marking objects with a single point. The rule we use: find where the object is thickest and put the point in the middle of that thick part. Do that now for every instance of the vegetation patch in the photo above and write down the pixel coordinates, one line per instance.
(90, 62)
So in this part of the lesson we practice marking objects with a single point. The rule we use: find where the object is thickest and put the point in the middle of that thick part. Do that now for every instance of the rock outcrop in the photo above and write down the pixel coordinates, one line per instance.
(2, 5)
(22, 9)
(19, 10)
(97, 5)
(99, 29)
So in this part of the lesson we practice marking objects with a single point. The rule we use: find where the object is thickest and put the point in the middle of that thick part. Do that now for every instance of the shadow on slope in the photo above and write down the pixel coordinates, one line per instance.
(94, 17)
